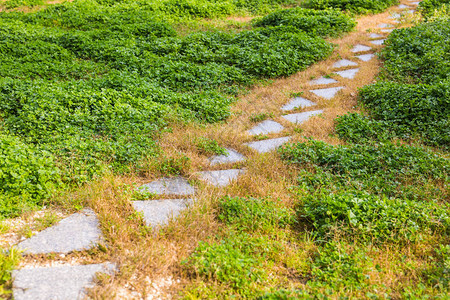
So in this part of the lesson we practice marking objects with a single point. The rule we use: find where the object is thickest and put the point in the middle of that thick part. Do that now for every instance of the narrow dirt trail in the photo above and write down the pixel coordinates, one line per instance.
(288, 110)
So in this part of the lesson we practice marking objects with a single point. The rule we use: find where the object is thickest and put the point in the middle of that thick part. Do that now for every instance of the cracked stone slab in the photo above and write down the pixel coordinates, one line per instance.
(375, 35)
(385, 25)
(220, 178)
(158, 212)
(349, 74)
(302, 117)
(61, 282)
(231, 157)
(168, 186)
(298, 102)
(328, 93)
(268, 145)
(344, 63)
(322, 80)
(365, 57)
(266, 127)
(403, 6)
(378, 42)
(77, 232)
(387, 30)
(360, 48)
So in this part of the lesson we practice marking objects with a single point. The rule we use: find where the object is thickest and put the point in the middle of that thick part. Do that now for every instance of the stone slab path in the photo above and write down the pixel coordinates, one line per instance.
(327, 93)
(360, 48)
(168, 186)
(268, 145)
(349, 74)
(297, 102)
(266, 127)
(232, 156)
(78, 232)
(378, 42)
(158, 212)
(365, 57)
(322, 80)
(302, 117)
(61, 282)
(220, 178)
(344, 63)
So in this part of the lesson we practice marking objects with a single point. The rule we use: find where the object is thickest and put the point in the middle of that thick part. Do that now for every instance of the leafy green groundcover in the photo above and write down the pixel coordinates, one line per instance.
(316, 22)
(355, 6)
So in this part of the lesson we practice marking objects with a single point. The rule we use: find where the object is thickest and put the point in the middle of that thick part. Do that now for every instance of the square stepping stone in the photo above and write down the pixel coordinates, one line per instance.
(322, 80)
(365, 57)
(349, 74)
(298, 102)
(375, 35)
(387, 30)
(403, 6)
(384, 25)
(77, 232)
(328, 93)
(158, 212)
(168, 186)
(415, 3)
(344, 63)
(302, 117)
(360, 48)
(231, 157)
(378, 42)
(266, 127)
(61, 282)
(220, 178)
(268, 145)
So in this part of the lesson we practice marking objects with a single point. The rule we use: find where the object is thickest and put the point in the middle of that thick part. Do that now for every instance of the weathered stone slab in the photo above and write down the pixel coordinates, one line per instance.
(220, 178)
(344, 63)
(77, 232)
(61, 282)
(375, 35)
(415, 3)
(378, 42)
(322, 80)
(298, 102)
(328, 93)
(302, 117)
(349, 74)
(266, 127)
(158, 212)
(403, 6)
(360, 48)
(168, 186)
(387, 30)
(268, 145)
(365, 57)
(384, 25)
(395, 16)
(411, 11)
(231, 157)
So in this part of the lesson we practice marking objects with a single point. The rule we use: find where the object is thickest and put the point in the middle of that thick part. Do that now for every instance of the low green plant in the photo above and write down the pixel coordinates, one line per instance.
(316, 22)
(8, 261)
(428, 8)
(372, 218)
(237, 261)
(209, 146)
(28, 176)
(18, 3)
(410, 111)
(354, 6)
(393, 170)
(357, 128)
(254, 214)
